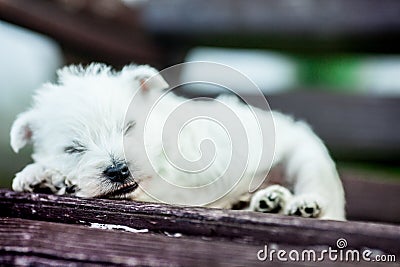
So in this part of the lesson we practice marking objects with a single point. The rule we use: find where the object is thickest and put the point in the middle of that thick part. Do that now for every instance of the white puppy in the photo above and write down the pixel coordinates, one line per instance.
(98, 133)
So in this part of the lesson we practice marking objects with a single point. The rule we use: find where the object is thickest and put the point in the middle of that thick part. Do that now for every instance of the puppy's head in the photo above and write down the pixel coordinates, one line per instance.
(77, 127)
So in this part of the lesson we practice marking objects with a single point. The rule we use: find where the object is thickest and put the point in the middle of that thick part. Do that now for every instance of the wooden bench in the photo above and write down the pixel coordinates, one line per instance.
(39, 229)
(160, 32)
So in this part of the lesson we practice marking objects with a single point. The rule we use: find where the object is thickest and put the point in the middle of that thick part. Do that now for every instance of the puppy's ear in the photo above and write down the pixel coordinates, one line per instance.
(21, 131)
(149, 78)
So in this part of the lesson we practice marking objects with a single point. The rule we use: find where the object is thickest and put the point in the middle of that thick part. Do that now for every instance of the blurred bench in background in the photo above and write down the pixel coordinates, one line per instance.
(161, 32)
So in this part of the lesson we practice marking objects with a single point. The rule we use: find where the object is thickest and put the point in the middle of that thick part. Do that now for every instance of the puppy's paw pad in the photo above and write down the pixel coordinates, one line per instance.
(33, 179)
(306, 207)
(272, 199)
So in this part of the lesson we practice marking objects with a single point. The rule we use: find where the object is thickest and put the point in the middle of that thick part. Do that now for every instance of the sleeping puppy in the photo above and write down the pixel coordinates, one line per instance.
(102, 133)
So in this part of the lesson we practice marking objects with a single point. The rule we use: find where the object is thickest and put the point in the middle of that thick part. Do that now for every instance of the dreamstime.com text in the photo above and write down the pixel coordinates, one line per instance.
(338, 254)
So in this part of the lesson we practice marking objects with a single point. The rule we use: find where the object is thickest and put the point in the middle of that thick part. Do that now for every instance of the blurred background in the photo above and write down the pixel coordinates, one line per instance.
(335, 64)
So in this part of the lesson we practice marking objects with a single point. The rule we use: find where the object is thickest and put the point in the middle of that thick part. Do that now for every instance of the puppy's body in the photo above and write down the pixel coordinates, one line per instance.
(81, 127)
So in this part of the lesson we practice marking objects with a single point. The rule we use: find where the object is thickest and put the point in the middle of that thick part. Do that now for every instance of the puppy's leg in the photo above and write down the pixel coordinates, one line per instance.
(36, 178)
(318, 191)
(272, 199)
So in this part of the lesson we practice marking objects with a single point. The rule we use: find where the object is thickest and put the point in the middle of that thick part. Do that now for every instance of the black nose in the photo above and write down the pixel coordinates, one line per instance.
(118, 172)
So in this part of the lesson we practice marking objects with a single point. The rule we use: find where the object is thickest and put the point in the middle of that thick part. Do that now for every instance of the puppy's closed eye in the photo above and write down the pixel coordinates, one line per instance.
(75, 148)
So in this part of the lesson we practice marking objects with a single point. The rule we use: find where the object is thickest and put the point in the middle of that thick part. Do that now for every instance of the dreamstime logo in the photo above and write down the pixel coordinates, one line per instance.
(340, 253)
(341, 243)
(195, 151)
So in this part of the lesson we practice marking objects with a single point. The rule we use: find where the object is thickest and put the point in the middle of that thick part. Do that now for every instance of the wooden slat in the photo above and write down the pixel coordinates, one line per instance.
(239, 226)
(300, 26)
(316, 18)
(60, 243)
(26, 243)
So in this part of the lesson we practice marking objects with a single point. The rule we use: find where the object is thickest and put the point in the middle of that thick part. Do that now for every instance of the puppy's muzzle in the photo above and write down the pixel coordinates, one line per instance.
(117, 172)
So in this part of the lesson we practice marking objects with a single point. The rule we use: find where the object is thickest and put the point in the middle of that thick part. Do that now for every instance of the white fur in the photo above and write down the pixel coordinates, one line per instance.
(88, 107)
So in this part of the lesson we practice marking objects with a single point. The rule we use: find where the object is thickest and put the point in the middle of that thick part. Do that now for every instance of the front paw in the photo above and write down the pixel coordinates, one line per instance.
(34, 178)
(67, 188)
(272, 199)
(306, 206)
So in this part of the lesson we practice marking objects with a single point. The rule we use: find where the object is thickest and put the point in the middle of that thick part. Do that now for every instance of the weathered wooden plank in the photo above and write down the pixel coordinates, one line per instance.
(26, 243)
(239, 226)
(78, 244)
